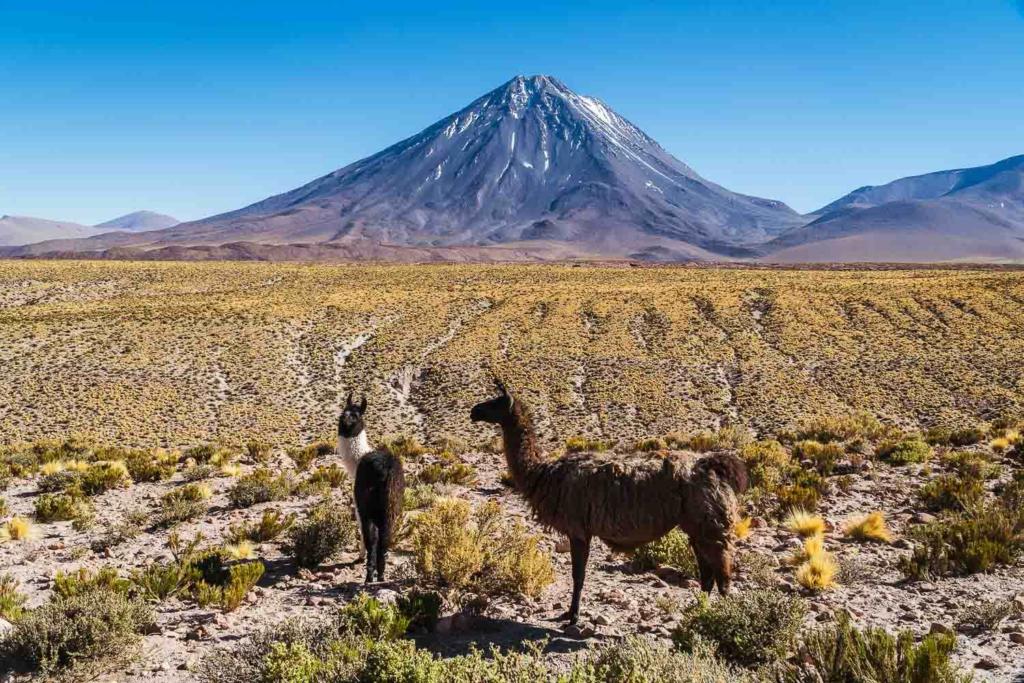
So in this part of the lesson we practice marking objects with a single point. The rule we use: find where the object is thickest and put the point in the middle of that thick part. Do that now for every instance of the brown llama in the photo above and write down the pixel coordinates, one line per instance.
(625, 500)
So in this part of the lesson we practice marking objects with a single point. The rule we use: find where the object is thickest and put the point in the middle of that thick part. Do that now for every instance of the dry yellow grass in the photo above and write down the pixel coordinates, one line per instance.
(870, 527)
(18, 529)
(804, 523)
(818, 572)
(243, 550)
(175, 354)
(741, 529)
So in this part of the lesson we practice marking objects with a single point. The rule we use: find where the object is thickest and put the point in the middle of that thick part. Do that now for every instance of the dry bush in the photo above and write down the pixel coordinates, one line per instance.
(651, 444)
(455, 473)
(331, 476)
(62, 507)
(951, 492)
(103, 476)
(80, 635)
(585, 444)
(271, 524)
(818, 572)
(459, 549)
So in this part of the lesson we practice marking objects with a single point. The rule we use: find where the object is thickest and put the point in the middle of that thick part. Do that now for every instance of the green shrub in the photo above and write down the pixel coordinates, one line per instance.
(162, 580)
(804, 491)
(80, 635)
(258, 451)
(83, 581)
(365, 616)
(673, 549)
(202, 453)
(260, 486)
(304, 457)
(332, 475)
(751, 628)
(651, 444)
(971, 465)
(129, 527)
(57, 481)
(229, 591)
(966, 437)
(61, 507)
(644, 660)
(458, 473)
(421, 608)
(841, 652)
(765, 460)
(452, 446)
(586, 444)
(823, 456)
(327, 530)
(905, 452)
(403, 447)
(182, 504)
(951, 492)
(829, 428)
(12, 602)
(966, 543)
(197, 473)
(938, 436)
(272, 523)
(419, 496)
(145, 466)
(103, 476)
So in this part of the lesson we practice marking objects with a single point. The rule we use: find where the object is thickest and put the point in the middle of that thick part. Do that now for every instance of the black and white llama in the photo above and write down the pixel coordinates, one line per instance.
(378, 487)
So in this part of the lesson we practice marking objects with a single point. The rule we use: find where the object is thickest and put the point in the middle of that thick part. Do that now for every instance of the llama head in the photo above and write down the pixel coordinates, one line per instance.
(496, 409)
(350, 422)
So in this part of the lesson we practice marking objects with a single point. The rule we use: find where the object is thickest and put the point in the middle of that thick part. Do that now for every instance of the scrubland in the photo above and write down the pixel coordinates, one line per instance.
(173, 509)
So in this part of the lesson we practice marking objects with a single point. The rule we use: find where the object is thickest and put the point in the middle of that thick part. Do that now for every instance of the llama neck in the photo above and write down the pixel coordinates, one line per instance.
(521, 449)
(351, 450)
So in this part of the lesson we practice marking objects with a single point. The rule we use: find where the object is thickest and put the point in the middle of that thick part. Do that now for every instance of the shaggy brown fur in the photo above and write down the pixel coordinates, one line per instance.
(625, 500)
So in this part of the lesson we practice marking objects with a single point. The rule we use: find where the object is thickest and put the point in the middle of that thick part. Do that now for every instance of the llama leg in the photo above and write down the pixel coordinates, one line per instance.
(716, 562)
(723, 569)
(383, 542)
(362, 535)
(580, 549)
(706, 575)
(370, 539)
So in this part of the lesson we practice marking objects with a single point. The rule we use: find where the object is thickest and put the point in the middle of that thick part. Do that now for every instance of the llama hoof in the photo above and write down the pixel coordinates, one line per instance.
(568, 616)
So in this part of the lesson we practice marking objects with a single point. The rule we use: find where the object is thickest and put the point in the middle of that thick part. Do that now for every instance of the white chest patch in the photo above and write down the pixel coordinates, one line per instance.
(351, 451)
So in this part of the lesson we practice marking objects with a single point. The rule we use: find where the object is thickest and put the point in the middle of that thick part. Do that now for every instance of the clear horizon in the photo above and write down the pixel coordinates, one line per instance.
(197, 110)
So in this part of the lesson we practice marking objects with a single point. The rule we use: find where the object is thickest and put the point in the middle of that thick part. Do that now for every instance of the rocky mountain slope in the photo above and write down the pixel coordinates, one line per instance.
(139, 221)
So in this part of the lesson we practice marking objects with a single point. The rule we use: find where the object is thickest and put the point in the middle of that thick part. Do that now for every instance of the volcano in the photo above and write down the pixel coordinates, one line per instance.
(530, 165)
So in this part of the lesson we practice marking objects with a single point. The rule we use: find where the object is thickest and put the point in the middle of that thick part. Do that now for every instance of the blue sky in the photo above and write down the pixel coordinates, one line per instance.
(191, 108)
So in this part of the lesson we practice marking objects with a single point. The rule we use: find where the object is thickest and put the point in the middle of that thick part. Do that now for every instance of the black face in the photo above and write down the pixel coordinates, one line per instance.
(494, 410)
(350, 423)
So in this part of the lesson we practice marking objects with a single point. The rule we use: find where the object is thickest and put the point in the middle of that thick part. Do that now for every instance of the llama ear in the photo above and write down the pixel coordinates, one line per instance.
(362, 405)
(500, 386)
(348, 400)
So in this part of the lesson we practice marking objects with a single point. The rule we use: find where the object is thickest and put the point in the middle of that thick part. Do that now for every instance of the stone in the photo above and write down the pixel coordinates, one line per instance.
(938, 627)
(5, 628)
(1017, 637)
(923, 518)
(602, 620)
(562, 544)
(986, 664)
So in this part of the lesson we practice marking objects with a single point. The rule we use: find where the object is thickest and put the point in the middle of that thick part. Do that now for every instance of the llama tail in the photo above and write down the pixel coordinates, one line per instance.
(727, 467)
